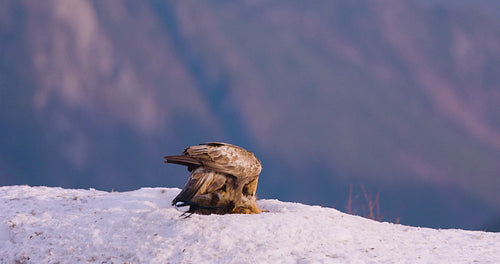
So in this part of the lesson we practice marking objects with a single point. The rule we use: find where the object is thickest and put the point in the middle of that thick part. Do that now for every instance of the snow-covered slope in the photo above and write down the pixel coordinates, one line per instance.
(55, 225)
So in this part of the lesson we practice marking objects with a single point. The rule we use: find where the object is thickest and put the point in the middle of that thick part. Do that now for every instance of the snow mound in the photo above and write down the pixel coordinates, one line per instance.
(55, 225)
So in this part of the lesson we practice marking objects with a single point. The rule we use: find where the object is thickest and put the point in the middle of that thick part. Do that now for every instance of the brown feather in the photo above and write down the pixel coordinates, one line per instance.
(200, 182)
(226, 158)
(191, 163)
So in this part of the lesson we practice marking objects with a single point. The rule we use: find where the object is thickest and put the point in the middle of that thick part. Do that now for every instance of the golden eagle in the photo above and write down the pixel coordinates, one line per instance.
(223, 179)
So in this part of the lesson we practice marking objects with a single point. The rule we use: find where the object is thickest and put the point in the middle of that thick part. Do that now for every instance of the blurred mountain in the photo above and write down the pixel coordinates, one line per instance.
(401, 97)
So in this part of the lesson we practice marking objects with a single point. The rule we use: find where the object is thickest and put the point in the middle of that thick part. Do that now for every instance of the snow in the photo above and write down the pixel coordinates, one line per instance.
(56, 225)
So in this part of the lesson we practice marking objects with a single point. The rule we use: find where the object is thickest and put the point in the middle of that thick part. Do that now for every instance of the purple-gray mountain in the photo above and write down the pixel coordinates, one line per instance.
(400, 97)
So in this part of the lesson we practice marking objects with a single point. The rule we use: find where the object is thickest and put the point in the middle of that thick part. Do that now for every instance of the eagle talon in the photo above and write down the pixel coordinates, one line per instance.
(186, 214)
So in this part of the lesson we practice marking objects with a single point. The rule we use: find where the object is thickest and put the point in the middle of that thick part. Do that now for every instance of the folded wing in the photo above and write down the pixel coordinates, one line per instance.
(201, 181)
(226, 158)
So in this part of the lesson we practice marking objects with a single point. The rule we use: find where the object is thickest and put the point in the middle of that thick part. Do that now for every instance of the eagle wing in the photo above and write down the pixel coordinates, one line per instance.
(201, 181)
(225, 158)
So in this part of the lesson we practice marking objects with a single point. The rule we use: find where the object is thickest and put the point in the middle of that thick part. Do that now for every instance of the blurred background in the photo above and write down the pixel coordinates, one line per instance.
(401, 98)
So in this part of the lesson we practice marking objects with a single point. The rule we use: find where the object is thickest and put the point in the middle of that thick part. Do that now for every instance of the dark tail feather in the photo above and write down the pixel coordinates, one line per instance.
(188, 192)
(183, 160)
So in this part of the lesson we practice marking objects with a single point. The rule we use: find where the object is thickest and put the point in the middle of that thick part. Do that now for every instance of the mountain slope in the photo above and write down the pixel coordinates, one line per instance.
(393, 95)
(50, 225)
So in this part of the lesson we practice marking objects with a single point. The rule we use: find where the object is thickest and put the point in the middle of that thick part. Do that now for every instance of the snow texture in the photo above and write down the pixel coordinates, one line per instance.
(55, 225)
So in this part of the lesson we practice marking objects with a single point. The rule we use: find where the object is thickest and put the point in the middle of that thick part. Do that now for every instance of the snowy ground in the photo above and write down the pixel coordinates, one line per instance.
(55, 225)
